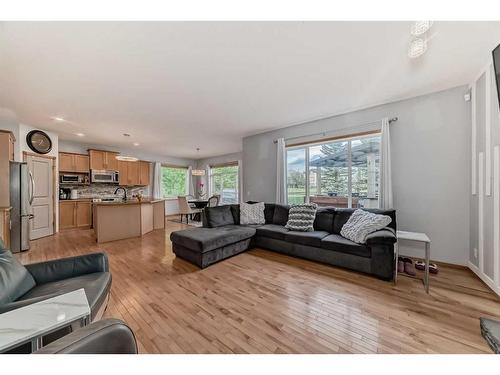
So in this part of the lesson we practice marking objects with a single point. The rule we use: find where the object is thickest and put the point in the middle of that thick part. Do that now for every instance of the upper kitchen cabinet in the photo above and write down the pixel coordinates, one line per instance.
(103, 160)
(144, 173)
(76, 163)
(133, 172)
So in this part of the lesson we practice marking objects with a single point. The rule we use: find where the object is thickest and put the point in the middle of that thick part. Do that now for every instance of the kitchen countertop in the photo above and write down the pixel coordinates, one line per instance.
(128, 202)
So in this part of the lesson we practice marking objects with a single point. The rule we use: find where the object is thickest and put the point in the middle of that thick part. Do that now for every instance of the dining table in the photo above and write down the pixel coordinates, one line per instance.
(199, 204)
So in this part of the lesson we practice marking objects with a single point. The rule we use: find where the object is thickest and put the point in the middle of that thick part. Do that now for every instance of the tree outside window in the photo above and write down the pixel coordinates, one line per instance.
(173, 181)
(224, 182)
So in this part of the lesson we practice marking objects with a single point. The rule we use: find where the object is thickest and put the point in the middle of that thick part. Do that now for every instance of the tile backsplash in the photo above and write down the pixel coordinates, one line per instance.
(101, 191)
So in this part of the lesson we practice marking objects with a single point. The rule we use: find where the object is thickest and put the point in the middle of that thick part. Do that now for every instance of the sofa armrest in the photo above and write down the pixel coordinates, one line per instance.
(60, 269)
(385, 236)
(110, 336)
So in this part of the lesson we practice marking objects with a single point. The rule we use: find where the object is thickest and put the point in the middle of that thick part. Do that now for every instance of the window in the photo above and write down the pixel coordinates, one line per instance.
(173, 181)
(341, 173)
(224, 182)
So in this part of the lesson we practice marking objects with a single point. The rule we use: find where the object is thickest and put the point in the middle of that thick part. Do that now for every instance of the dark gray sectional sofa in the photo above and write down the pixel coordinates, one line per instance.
(222, 236)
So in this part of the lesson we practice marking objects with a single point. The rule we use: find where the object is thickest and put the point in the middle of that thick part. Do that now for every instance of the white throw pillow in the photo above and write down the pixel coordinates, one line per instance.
(362, 223)
(252, 213)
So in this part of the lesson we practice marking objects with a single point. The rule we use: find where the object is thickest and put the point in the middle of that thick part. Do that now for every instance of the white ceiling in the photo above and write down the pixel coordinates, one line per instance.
(175, 86)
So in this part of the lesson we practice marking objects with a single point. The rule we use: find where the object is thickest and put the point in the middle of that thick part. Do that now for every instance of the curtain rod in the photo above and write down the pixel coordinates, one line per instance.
(391, 120)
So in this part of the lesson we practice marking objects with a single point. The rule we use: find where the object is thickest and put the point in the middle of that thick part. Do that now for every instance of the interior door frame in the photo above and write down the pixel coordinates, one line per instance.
(54, 183)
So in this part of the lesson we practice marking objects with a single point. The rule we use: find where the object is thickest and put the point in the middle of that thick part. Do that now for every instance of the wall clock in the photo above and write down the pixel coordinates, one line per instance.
(39, 141)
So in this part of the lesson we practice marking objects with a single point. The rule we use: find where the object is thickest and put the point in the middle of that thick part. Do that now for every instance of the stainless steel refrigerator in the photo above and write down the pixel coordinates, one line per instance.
(21, 197)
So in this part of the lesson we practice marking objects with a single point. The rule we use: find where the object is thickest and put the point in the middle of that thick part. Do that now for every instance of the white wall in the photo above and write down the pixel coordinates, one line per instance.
(430, 159)
(484, 251)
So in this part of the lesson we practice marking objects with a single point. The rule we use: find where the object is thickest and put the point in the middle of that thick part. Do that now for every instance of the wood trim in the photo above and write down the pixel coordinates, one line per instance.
(174, 166)
(72, 153)
(228, 164)
(8, 132)
(323, 140)
(95, 149)
(27, 153)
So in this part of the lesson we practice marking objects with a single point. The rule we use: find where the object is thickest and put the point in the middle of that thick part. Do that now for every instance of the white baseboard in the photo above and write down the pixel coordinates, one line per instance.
(486, 279)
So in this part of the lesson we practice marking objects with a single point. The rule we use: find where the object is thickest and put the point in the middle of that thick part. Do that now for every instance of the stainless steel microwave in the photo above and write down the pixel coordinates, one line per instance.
(70, 179)
(104, 177)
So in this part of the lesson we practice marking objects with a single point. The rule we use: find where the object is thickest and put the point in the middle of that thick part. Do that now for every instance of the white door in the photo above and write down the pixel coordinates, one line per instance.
(42, 208)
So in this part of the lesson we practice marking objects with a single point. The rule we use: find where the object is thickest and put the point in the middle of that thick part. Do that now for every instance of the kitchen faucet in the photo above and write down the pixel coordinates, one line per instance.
(124, 191)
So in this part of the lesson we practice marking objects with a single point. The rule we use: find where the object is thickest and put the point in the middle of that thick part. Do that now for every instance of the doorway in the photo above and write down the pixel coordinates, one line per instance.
(41, 169)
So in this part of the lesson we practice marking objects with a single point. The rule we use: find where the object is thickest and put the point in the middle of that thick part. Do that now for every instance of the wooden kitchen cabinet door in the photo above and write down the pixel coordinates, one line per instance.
(66, 162)
(83, 214)
(123, 173)
(81, 163)
(144, 173)
(97, 159)
(110, 161)
(133, 173)
(67, 215)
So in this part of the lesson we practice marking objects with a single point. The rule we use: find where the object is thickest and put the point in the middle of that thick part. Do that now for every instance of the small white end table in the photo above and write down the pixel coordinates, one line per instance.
(30, 323)
(417, 237)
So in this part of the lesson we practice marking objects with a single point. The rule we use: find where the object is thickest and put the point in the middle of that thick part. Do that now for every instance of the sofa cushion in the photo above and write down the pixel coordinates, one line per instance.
(269, 212)
(343, 214)
(277, 232)
(301, 217)
(252, 213)
(206, 239)
(235, 210)
(324, 219)
(219, 216)
(338, 243)
(96, 287)
(306, 238)
(280, 216)
(15, 280)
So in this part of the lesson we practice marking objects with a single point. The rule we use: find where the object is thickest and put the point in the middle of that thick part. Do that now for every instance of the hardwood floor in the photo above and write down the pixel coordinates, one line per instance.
(264, 302)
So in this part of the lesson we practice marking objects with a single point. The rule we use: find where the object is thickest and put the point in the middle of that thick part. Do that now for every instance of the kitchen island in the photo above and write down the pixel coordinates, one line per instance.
(125, 219)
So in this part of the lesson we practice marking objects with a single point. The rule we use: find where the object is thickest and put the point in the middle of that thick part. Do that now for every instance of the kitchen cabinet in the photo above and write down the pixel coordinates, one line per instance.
(133, 173)
(75, 214)
(144, 173)
(7, 140)
(103, 160)
(5, 226)
(76, 163)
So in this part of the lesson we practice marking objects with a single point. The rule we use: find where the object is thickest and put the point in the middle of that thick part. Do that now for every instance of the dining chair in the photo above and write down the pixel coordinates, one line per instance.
(213, 200)
(185, 209)
(191, 198)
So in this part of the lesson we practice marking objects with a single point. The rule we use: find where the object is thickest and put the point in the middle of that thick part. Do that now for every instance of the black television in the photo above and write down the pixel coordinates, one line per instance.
(496, 66)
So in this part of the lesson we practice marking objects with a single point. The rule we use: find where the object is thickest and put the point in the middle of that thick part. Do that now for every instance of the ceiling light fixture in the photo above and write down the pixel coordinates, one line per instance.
(417, 48)
(58, 119)
(80, 134)
(198, 172)
(136, 144)
(126, 135)
(126, 158)
(420, 27)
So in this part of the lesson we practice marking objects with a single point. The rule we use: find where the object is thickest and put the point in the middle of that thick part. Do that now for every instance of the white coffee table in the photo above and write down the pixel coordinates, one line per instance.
(32, 322)
(417, 237)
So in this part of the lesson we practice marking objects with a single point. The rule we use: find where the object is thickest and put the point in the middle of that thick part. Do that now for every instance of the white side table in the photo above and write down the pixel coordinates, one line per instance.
(30, 323)
(417, 237)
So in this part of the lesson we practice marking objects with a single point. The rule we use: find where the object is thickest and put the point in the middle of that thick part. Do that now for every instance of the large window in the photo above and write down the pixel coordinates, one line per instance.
(173, 181)
(224, 182)
(341, 173)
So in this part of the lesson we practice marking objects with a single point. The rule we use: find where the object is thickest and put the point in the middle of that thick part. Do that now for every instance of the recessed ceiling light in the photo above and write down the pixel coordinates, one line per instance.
(136, 144)
(58, 119)
(126, 135)
(80, 134)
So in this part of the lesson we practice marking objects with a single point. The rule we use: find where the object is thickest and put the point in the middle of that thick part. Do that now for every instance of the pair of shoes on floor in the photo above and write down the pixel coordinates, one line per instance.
(406, 265)
(420, 265)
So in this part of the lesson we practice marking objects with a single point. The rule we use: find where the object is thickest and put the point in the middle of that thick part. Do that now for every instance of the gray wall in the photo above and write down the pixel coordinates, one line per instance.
(488, 229)
(430, 160)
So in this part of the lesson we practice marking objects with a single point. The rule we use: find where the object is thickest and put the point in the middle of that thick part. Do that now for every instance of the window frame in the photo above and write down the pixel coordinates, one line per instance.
(307, 145)
(172, 166)
(211, 167)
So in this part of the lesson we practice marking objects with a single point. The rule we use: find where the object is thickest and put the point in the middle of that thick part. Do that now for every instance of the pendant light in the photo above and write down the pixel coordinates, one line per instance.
(198, 172)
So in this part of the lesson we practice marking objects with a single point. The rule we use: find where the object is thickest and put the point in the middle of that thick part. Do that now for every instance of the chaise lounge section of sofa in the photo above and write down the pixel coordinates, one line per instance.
(222, 236)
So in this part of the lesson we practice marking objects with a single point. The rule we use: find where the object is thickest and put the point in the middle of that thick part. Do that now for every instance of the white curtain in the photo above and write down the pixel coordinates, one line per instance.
(240, 181)
(157, 193)
(189, 182)
(385, 194)
(280, 171)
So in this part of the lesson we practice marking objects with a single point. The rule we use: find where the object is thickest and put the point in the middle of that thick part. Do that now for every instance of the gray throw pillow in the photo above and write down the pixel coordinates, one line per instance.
(252, 213)
(361, 224)
(301, 217)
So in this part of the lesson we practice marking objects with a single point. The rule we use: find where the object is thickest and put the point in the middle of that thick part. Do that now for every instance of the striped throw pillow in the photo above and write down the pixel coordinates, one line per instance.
(301, 217)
